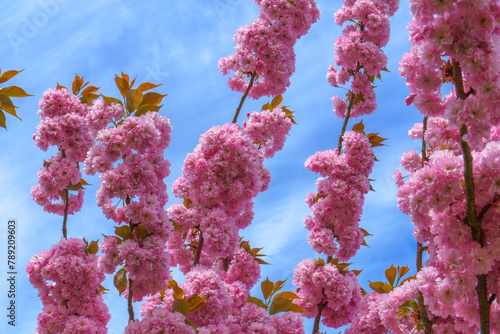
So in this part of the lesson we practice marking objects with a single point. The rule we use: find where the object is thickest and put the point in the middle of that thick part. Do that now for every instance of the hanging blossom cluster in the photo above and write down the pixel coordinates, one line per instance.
(225, 311)
(379, 313)
(268, 129)
(358, 53)
(68, 279)
(265, 48)
(137, 183)
(446, 34)
(63, 124)
(220, 178)
(434, 198)
(455, 42)
(320, 283)
(337, 207)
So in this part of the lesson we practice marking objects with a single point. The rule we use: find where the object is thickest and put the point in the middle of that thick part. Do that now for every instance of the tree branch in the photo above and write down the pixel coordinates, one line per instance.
(471, 210)
(321, 306)
(129, 302)
(198, 250)
(250, 84)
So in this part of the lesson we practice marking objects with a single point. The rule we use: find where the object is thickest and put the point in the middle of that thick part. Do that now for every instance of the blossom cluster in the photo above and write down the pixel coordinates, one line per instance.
(265, 48)
(220, 178)
(378, 313)
(268, 129)
(130, 160)
(63, 124)
(340, 293)
(337, 207)
(358, 53)
(447, 38)
(225, 311)
(68, 280)
(434, 198)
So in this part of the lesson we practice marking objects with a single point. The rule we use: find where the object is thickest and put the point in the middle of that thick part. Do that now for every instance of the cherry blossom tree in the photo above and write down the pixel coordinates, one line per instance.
(450, 189)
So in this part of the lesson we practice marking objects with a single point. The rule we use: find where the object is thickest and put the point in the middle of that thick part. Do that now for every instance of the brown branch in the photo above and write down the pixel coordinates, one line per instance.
(492, 298)
(198, 250)
(130, 306)
(487, 207)
(348, 114)
(424, 317)
(225, 262)
(250, 84)
(424, 144)
(471, 210)
(65, 219)
(66, 205)
(321, 306)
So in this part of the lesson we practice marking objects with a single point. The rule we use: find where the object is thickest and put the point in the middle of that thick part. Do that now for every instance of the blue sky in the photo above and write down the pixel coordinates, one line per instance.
(178, 44)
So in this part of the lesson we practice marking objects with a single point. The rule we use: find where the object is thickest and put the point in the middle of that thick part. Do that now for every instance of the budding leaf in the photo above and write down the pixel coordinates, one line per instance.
(267, 288)
(391, 274)
(256, 301)
(146, 86)
(120, 280)
(181, 306)
(111, 99)
(276, 101)
(9, 75)
(140, 231)
(122, 231)
(14, 91)
(280, 304)
(288, 295)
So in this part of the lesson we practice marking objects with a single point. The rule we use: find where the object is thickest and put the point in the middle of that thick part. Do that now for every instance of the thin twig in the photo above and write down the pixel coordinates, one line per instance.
(250, 84)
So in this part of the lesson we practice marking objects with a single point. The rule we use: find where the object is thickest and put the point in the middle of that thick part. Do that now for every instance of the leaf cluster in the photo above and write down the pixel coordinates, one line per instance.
(391, 274)
(6, 93)
(276, 302)
(136, 101)
(87, 95)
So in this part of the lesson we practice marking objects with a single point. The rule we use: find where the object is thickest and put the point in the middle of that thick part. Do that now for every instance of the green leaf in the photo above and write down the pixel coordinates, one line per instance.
(120, 280)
